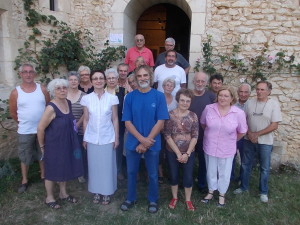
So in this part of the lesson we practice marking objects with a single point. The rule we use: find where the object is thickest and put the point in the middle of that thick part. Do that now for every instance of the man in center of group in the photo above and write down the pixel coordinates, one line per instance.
(202, 98)
(145, 111)
(170, 70)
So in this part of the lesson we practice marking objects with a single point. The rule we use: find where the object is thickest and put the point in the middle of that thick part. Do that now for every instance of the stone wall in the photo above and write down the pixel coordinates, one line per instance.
(255, 23)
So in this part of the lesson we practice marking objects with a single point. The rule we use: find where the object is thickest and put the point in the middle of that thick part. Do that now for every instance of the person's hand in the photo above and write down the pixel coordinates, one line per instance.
(180, 158)
(84, 144)
(116, 143)
(185, 158)
(141, 149)
(253, 136)
(147, 142)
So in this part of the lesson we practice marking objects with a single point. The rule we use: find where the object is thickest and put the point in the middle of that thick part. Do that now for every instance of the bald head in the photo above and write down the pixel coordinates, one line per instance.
(139, 41)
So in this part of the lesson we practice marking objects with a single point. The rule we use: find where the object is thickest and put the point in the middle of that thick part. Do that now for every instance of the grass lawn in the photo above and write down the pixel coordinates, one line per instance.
(29, 207)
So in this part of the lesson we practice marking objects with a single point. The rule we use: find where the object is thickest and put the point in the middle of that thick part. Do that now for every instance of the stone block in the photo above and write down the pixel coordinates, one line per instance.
(240, 4)
(250, 22)
(296, 23)
(296, 96)
(243, 29)
(278, 153)
(258, 37)
(287, 39)
(223, 4)
(233, 12)
(222, 11)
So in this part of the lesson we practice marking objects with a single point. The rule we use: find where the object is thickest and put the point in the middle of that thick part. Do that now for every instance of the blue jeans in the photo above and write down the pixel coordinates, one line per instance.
(240, 147)
(264, 153)
(133, 162)
(202, 182)
(174, 169)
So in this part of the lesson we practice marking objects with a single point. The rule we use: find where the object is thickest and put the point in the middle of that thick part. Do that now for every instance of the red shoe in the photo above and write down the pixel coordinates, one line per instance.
(189, 206)
(173, 202)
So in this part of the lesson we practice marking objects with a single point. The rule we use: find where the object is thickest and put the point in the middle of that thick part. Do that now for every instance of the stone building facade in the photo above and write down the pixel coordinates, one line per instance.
(254, 22)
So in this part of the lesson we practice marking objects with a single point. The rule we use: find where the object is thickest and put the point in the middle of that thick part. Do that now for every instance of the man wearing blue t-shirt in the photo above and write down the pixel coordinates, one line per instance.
(145, 110)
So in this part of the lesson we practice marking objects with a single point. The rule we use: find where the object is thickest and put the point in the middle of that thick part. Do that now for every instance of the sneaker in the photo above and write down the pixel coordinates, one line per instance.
(81, 179)
(125, 206)
(238, 191)
(152, 207)
(22, 188)
(264, 198)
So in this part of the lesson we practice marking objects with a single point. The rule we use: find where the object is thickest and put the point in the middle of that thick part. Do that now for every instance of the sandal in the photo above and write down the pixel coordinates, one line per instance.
(97, 199)
(70, 199)
(105, 200)
(152, 207)
(189, 206)
(206, 200)
(221, 204)
(125, 206)
(173, 202)
(53, 205)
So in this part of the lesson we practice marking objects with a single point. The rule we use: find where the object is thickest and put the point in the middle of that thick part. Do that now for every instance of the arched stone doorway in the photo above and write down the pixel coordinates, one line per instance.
(161, 21)
(125, 15)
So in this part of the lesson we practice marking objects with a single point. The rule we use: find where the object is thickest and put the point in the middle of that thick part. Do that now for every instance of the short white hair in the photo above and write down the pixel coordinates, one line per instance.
(56, 83)
(169, 80)
(247, 85)
(111, 70)
(83, 68)
(171, 40)
(26, 64)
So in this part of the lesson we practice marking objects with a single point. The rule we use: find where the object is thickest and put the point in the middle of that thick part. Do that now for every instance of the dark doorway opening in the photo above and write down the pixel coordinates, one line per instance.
(165, 20)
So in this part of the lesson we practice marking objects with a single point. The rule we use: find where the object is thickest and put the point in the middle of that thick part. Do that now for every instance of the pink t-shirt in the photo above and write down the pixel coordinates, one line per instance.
(220, 134)
(133, 53)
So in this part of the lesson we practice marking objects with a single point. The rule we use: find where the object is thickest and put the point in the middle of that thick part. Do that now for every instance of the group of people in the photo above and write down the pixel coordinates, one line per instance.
(84, 127)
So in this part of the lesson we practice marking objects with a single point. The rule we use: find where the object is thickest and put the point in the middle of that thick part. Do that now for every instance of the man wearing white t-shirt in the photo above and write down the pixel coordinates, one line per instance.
(170, 70)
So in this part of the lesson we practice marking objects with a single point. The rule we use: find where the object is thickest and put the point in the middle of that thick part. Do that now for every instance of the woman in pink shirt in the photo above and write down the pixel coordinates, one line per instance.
(223, 125)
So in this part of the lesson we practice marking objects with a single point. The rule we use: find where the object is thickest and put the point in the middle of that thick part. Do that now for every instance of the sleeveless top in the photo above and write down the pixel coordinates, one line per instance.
(62, 157)
(77, 110)
(30, 108)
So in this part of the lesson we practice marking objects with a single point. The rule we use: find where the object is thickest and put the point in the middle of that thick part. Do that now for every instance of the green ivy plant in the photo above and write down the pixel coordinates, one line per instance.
(253, 69)
(65, 47)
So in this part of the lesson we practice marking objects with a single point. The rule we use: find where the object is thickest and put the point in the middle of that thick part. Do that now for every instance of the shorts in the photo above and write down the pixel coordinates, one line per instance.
(28, 148)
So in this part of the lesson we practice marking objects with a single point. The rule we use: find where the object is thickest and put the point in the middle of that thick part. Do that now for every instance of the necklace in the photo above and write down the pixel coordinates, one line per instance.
(180, 117)
(262, 111)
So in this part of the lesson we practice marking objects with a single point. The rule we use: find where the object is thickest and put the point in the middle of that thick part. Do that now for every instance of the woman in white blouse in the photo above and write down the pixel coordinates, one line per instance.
(101, 130)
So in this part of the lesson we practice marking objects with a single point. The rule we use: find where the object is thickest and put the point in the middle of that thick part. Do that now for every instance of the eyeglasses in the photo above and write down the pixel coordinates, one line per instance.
(85, 74)
(28, 72)
(98, 78)
(139, 40)
(111, 78)
(61, 88)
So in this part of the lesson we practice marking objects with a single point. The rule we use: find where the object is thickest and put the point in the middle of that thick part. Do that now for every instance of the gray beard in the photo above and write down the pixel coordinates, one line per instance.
(144, 85)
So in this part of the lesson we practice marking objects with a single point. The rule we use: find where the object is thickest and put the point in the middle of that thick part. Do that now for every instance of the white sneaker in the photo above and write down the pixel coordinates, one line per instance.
(238, 191)
(264, 198)
(81, 179)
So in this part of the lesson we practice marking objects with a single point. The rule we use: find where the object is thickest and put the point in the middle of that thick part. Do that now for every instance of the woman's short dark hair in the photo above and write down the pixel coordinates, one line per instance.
(184, 91)
(97, 71)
